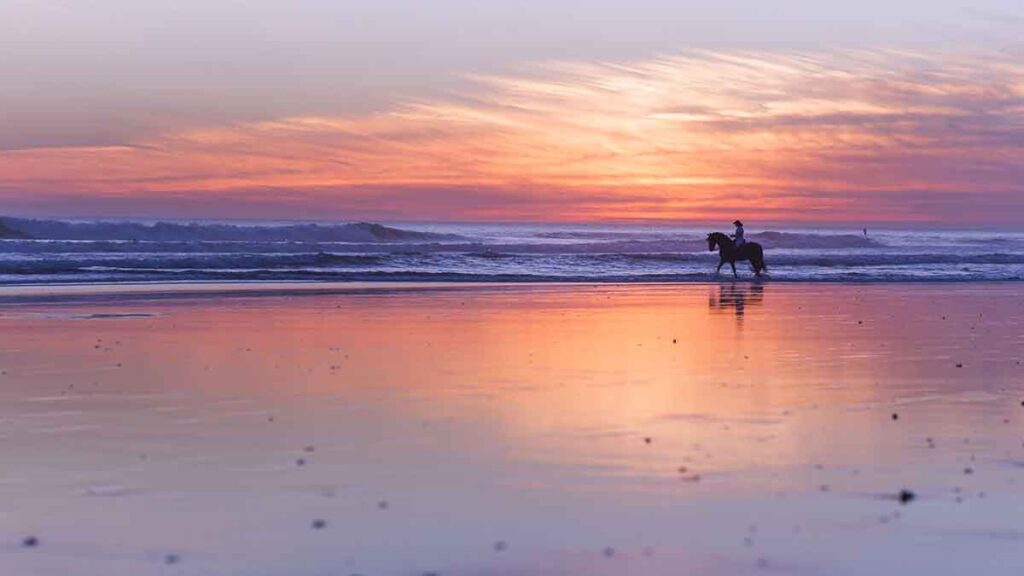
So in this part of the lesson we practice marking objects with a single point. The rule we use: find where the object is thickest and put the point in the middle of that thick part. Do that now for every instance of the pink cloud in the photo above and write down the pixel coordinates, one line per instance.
(864, 135)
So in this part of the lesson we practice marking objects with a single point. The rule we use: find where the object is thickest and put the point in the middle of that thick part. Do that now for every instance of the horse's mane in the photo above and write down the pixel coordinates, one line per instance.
(720, 237)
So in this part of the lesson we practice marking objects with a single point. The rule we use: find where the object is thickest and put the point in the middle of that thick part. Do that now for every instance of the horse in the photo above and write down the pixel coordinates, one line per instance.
(727, 252)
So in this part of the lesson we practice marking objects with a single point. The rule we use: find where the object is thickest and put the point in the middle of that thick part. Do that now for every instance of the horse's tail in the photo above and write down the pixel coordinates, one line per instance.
(760, 260)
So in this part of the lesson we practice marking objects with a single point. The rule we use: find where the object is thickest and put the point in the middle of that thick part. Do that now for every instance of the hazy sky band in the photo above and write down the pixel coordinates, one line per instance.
(554, 111)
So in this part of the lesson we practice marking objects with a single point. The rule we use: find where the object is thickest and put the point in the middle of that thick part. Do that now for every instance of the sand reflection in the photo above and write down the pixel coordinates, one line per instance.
(734, 297)
(562, 421)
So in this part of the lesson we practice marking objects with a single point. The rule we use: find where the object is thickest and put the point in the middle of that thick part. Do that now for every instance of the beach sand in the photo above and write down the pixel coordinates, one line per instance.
(503, 430)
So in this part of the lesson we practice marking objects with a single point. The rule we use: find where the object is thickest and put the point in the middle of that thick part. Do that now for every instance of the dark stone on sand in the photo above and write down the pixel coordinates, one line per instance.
(310, 449)
(895, 416)
(968, 470)
(300, 462)
(318, 524)
(500, 546)
(30, 542)
(608, 551)
(905, 496)
(647, 440)
(959, 365)
(383, 505)
(172, 559)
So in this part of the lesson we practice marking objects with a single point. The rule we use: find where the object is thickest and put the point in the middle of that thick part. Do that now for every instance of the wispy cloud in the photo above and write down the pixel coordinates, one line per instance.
(852, 135)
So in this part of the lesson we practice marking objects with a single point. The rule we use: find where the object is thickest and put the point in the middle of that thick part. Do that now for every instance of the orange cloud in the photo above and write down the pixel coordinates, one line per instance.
(876, 135)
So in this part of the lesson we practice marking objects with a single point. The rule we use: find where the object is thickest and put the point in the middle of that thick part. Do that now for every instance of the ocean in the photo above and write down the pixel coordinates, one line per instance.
(57, 252)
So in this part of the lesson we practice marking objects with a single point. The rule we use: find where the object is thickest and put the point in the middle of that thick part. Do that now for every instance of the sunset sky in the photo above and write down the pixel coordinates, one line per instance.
(551, 110)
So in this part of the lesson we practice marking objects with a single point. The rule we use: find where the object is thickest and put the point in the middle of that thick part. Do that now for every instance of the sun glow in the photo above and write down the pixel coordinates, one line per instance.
(878, 135)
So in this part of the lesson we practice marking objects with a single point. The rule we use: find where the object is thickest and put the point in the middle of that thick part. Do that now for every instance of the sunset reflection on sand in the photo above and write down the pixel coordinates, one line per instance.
(719, 428)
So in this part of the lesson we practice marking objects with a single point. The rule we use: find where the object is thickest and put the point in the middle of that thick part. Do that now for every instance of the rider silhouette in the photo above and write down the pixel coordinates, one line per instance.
(737, 239)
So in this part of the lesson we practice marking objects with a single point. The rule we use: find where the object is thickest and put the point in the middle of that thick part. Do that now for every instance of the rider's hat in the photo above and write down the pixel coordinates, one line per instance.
(737, 223)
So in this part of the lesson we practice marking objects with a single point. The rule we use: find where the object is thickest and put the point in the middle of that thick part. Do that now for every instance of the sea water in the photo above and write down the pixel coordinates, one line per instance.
(50, 251)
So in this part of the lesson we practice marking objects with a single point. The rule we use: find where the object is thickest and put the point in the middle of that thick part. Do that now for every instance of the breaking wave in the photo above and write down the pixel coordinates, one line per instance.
(210, 232)
(53, 251)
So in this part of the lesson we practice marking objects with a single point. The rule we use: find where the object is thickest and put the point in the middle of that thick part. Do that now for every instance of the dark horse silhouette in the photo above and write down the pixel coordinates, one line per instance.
(727, 252)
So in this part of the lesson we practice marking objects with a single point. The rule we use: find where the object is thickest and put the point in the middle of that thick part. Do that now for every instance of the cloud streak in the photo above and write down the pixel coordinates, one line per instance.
(842, 136)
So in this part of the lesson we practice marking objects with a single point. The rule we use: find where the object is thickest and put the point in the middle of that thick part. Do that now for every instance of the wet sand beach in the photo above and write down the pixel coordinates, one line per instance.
(832, 429)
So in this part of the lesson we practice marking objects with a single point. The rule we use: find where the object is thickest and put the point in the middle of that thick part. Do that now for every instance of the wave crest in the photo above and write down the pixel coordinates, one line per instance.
(207, 232)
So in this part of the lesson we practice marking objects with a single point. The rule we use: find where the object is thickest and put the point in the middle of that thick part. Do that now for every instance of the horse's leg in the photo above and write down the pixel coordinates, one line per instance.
(733, 264)
(719, 269)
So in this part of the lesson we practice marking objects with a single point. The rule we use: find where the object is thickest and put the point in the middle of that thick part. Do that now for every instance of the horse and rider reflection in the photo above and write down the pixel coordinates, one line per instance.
(735, 297)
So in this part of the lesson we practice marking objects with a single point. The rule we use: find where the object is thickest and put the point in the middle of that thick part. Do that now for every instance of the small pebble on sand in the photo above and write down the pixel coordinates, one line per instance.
(905, 496)
(30, 542)
(500, 546)
(895, 416)
(172, 559)
(318, 524)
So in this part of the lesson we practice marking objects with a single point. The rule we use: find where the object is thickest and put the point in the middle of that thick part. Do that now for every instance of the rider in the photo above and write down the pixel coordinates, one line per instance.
(737, 239)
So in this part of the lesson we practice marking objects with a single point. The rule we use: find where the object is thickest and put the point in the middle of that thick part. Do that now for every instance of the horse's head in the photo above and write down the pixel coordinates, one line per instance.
(711, 242)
